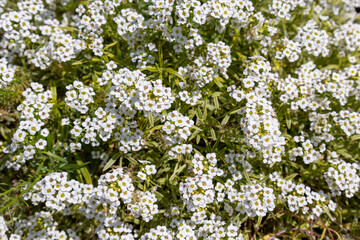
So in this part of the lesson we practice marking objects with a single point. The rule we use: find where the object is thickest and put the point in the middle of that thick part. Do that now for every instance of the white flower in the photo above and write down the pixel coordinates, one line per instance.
(150, 169)
(141, 175)
(41, 144)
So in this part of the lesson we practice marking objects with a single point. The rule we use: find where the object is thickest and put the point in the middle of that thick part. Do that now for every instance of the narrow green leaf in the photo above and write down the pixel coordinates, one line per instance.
(151, 120)
(197, 128)
(73, 166)
(264, 179)
(85, 172)
(156, 128)
(216, 102)
(197, 139)
(151, 69)
(110, 55)
(194, 134)
(355, 137)
(204, 115)
(287, 136)
(111, 161)
(96, 59)
(292, 176)
(172, 71)
(258, 222)
(55, 156)
(213, 135)
(70, 29)
(78, 62)
(53, 91)
(235, 111)
(218, 81)
(344, 153)
(225, 120)
(177, 172)
(161, 197)
(323, 234)
(288, 119)
(21, 194)
(110, 45)
(247, 177)
(132, 160)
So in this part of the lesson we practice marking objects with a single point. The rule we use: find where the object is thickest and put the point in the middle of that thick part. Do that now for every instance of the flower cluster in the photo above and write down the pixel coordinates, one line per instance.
(199, 191)
(26, 26)
(292, 50)
(301, 197)
(39, 226)
(177, 129)
(114, 189)
(283, 8)
(149, 170)
(205, 69)
(306, 151)
(7, 72)
(349, 122)
(348, 36)
(342, 176)
(31, 135)
(3, 228)
(253, 199)
(259, 121)
(315, 41)
(134, 94)
(79, 96)
(178, 119)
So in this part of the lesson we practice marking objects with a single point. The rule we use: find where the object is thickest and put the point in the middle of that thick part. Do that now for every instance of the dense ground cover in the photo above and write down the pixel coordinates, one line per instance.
(179, 119)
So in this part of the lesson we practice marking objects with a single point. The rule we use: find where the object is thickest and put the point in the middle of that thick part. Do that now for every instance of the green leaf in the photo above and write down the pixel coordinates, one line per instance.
(132, 160)
(292, 176)
(198, 139)
(204, 115)
(151, 120)
(73, 166)
(21, 194)
(194, 135)
(288, 119)
(213, 135)
(151, 69)
(216, 102)
(287, 136)
(258, 223)
(264, 179)
(225, 120)
(172, 71)
(197, 128)
(79, 62)
(247, 177)
(110, 45)
(355, 137)
(110, 55)
(345, 154)
(177, 172)
(111, 161)
(235, 111)
(156, 128)
(85, 172)
(3, 133)
(58, 158)
(161, 197)
(218, 81)
(39, 168)
(53, 91)
(70, 29)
